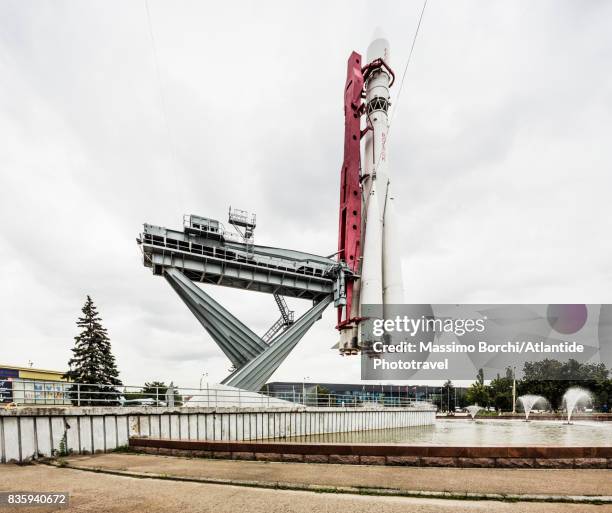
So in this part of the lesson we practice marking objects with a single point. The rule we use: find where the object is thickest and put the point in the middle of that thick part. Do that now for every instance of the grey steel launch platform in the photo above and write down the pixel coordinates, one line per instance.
(205, 252)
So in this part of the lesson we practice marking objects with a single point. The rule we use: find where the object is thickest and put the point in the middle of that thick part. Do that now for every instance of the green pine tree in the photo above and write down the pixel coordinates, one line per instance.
(93, 364)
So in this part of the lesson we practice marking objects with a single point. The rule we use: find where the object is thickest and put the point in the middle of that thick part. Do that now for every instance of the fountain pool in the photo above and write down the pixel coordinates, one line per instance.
(481, 433)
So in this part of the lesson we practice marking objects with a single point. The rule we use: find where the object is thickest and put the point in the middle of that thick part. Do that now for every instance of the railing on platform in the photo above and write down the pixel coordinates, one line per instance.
(58, 393)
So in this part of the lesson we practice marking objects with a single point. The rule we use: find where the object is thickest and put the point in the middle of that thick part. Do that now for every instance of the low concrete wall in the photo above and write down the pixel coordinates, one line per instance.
(30, 432)
(384, 454)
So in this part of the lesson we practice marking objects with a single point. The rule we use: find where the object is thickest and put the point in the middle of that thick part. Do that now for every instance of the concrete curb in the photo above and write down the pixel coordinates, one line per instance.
(391, 492)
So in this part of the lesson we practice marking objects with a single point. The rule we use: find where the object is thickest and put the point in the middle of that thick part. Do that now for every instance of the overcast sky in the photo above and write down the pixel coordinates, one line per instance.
(500, 153)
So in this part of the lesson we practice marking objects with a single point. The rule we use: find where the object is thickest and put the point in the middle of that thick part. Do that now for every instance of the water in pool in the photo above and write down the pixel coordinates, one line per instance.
(480, 433)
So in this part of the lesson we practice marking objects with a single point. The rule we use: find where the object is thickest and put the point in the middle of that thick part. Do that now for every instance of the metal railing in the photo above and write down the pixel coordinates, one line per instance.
(20, 392)
(316, 270)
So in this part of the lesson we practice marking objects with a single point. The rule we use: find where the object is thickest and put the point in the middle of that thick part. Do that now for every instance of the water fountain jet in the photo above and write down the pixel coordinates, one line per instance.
(473, 410)
(573, 397)
(528, 401)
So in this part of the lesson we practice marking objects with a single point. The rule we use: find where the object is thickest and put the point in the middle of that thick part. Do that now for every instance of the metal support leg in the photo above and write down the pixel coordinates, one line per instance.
(253, 358)
(254, 374)
(236, 340)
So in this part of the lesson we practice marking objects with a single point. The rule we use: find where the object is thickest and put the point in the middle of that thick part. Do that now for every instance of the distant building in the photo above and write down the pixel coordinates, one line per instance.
(361, 392)
(26, 385)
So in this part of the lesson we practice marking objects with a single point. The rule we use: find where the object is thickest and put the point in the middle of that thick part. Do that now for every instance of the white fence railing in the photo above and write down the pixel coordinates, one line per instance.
(46, 393)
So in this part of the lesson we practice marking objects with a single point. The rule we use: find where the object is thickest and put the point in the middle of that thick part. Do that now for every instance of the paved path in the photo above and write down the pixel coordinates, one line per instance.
(94, 493)
(460, 480)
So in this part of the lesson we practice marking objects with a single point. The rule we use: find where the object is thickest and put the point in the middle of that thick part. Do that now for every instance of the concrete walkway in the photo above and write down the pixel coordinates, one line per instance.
(96, 492)
(454, 480)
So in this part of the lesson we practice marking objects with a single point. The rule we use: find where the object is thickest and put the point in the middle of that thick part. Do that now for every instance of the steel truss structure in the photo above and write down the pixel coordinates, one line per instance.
(205, 253)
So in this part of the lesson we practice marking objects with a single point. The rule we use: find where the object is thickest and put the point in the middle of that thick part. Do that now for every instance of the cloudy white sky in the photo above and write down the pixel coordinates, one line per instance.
(500, 152)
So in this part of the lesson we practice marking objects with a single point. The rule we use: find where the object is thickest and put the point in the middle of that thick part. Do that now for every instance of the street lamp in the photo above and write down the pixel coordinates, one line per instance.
(304, 389)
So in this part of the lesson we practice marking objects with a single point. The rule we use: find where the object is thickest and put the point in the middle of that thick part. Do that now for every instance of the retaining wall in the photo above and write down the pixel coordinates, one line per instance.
(30, 432)
(385, 454)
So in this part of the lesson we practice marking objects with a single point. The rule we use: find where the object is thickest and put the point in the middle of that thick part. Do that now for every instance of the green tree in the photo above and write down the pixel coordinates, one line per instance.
(480, 377)
(500, 391)
(92, 366)
(157, 390)
(478, 392)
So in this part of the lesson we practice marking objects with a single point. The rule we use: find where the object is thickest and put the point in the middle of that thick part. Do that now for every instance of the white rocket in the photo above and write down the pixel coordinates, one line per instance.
(381, 273)
(367, 233)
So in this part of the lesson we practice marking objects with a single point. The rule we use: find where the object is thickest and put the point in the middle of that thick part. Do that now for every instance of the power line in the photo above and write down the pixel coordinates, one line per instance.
(163, 106)
(416, 33)
(399, 92)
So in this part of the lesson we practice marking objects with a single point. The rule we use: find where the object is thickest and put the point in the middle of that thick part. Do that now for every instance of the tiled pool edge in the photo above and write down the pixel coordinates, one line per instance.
(384, 454)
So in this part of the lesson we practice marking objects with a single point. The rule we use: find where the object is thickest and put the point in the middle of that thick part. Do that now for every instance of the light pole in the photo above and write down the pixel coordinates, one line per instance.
(304, 389)
(204, 375)
(513, 389)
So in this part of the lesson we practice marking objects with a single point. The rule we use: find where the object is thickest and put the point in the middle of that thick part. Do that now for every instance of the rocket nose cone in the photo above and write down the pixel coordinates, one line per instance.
(379, 47)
